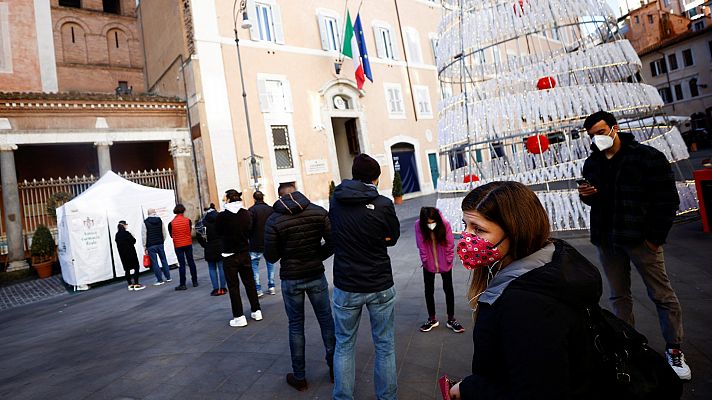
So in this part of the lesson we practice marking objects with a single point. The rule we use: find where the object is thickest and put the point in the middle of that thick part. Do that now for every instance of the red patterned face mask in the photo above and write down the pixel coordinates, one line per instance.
(476, 252)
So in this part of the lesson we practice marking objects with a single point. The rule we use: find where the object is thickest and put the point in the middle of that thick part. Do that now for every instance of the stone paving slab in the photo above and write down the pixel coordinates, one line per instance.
(108, 343)
(19, 294)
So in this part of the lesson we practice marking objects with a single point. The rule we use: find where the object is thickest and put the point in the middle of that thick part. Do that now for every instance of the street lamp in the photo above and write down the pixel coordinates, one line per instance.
(246, 24)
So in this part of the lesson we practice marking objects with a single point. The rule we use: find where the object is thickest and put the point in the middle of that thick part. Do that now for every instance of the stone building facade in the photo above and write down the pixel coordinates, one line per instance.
(307, 121)
(73, 101)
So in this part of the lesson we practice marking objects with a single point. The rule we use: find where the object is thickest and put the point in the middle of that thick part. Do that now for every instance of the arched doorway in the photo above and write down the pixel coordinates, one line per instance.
(404, 162)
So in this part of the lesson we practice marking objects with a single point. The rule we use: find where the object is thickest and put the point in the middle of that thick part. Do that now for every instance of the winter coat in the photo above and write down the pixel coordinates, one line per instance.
(531, 335)
(213, 242)
(127, 252)
(363, 225)
(154, 232)
(445, 252)
(234, 225)
(179, 229)
(638, 197)
(293, 233)
(260, 212)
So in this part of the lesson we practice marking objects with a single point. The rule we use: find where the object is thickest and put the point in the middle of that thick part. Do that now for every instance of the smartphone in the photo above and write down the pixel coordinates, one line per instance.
(582, 181)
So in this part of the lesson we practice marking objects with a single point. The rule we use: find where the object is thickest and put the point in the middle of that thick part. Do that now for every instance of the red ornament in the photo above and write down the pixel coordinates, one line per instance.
(537, 144)
(519, 8)
(546, 82)
(470, 178)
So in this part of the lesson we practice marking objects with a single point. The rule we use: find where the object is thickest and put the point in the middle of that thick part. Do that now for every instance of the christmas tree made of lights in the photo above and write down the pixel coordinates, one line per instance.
(518, 79)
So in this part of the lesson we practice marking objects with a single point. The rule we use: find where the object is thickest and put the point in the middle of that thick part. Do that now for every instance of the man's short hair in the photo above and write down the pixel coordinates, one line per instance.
(258, 196)
(233, 195)
(286, 188)
(598, 116)
(179, 209)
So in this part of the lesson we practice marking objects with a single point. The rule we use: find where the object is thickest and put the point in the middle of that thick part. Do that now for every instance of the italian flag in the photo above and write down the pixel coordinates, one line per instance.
(351, 50)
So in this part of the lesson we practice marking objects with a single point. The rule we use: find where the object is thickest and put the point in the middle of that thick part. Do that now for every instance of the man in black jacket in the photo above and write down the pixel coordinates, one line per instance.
(293, 233)
(260, 211)
(364, 224)
(633, 199)
(233, 226)
(154, 234)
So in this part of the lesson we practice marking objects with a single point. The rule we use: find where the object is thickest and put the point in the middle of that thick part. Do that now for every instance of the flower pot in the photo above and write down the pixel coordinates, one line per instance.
(44, 269)
(398, 199)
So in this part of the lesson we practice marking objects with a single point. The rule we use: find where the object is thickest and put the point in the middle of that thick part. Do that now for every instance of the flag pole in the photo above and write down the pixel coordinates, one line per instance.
(341, 44)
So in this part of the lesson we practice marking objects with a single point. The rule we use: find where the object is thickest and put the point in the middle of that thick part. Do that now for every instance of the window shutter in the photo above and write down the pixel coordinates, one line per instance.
(252, 15)
(393, 44)
(265, 104)
(288, 103)
(380, 46)
(413, 45)
(323, 33)
(277, 22)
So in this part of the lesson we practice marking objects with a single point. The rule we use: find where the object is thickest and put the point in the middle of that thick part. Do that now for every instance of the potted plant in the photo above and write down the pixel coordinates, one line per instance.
(56, 200)
(397, 190)
(43, 251)
(332, 187)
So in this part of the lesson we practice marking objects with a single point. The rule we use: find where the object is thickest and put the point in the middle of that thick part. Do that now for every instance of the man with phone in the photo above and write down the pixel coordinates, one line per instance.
(631, 190)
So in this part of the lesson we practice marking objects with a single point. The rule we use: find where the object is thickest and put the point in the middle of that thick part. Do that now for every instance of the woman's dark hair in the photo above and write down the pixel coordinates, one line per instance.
(120, 227)
(517, 210)
(179, 209)
(427, 213)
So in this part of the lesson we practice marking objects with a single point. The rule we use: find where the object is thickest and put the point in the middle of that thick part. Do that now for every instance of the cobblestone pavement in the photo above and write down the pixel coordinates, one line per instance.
(29, 292)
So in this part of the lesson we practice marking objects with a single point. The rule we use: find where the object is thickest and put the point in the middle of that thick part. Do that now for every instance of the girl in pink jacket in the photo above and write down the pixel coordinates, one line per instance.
(436, 246)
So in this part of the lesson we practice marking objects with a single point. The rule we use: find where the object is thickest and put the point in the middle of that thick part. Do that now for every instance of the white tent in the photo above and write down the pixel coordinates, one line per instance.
(87, 226)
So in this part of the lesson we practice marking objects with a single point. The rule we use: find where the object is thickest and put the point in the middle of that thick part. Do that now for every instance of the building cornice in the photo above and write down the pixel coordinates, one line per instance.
(87, 102)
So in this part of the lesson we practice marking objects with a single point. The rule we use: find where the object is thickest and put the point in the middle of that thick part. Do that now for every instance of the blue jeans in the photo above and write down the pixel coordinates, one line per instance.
(153, 252)
(347, 315)
(217, 276)
(293, 291)
(255, 258)
(182, 253)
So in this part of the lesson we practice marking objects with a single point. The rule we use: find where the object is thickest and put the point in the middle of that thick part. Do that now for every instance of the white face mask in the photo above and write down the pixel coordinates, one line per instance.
(432, 226)
(604, 142)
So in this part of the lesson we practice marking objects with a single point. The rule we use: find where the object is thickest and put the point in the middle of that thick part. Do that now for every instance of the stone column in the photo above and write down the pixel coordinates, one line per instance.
(186, 180)
(11, 202)
(103, 153)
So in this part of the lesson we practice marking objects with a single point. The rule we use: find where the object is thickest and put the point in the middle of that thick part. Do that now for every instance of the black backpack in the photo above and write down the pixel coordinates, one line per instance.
(629, 368)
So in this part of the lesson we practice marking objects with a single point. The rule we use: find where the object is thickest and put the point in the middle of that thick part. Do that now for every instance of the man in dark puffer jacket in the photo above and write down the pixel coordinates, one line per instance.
(293, 233)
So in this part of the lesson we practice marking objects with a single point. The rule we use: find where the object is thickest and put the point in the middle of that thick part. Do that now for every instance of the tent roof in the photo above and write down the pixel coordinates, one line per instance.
(115, 185)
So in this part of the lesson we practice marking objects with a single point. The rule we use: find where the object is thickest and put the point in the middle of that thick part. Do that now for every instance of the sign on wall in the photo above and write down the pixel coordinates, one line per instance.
(314, 167)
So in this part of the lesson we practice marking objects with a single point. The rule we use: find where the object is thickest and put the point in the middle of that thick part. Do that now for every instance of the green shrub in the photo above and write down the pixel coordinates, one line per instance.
(397, 190)
(43, 246)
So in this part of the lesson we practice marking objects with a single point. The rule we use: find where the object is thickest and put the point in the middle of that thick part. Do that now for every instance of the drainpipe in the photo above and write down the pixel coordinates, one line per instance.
(405, 57)
(667, 76)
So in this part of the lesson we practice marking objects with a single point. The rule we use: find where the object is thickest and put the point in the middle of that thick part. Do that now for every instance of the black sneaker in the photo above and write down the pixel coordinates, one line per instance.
(195, 284)
(299, 384)
(215, 292)
(429, 324)
(181, 287)
(455, 326)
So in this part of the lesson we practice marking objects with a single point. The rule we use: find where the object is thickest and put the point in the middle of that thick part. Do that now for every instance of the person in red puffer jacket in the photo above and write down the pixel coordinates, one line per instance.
(179, 230)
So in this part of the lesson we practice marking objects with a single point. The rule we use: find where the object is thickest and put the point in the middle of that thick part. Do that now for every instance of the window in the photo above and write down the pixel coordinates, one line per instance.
(282, 151)
(394, 98)
(666, 94)
(658, 67)
(637, 19)
(275, 94)
(5, 44)
(667, 3)
(412, 40)
(422, 100)
(384, 42)
(434, 48)
(265, 22)
(698, 26)
(70, 3)
(651, 19)
(672, 61)
(678, 92)
(266, 19)
(687, 57)
(709, 44)
(694, 91)
(112, 6)
(329, 29)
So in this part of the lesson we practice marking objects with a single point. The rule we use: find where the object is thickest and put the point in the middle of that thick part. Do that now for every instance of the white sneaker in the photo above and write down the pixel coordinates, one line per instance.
(238, 322)
(272, 291)
(169, 279)
(131, 287)
(257, 315)
(676, 359)
(139, 287)
(260, 294)
(159, 283)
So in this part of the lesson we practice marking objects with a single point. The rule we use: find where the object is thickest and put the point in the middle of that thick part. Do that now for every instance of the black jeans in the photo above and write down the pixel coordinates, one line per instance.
(429, 280)
(182, 253)
(134, 276)
(238, 266)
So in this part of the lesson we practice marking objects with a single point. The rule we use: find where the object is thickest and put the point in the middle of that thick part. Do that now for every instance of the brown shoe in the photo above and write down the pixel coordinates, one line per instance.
(299, 384)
